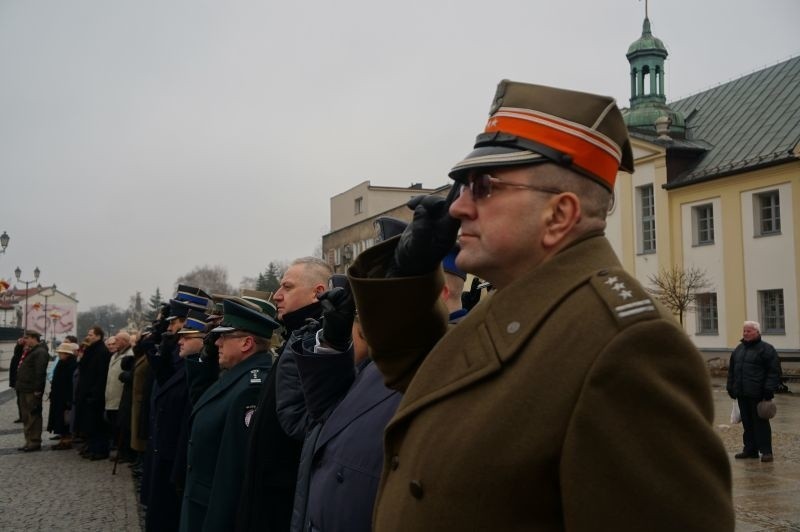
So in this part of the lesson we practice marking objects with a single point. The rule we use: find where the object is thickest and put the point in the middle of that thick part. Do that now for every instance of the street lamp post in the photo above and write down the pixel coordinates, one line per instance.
(4, 238)
(55, 316)
(18, 273)
(51, 292)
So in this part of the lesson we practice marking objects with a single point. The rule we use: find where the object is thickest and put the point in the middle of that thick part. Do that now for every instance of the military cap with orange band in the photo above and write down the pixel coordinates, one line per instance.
(531, 124)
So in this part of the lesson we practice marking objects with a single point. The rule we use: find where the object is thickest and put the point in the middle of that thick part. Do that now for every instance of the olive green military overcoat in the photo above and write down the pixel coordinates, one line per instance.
(218, 446)
(568, 400)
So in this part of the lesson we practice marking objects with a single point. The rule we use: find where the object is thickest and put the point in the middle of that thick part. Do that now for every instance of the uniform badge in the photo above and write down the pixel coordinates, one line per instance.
(255, 376)
(249, 410)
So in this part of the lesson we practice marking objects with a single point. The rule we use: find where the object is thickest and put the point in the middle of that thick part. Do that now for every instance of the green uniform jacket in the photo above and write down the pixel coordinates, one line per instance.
(218, 444)
(568, 400)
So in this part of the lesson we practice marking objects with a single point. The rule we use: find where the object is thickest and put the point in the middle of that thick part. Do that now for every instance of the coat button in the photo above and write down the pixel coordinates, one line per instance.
(189, 467)
(339, 477)
(395, 462)
(512, 327)
(416, 489)
(602, 273)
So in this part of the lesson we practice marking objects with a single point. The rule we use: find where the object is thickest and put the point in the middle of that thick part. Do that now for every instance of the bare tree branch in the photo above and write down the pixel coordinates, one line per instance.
(677, 288)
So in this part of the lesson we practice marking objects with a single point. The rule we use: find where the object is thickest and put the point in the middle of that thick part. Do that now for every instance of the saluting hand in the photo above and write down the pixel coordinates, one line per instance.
(428, 238)
(338, 313)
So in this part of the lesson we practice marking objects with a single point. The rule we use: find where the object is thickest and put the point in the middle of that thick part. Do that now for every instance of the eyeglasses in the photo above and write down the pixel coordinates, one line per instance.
(480, 186)
(227, 336)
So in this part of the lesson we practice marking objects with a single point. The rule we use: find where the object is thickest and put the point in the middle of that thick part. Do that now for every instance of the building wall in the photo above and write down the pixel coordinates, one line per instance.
(374, 200)
(39, 316)
(340, 247)
(738, 264)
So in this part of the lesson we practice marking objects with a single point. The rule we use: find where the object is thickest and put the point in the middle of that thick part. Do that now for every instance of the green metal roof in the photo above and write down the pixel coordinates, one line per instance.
(750, 122)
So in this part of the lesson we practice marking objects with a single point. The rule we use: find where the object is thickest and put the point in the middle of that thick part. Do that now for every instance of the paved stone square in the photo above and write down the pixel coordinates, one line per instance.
(58, 490)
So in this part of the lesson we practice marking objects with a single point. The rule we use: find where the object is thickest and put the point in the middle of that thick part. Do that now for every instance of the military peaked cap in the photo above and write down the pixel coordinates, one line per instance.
(196, 322)
(238, 317)
(532, 123)
(193, 295)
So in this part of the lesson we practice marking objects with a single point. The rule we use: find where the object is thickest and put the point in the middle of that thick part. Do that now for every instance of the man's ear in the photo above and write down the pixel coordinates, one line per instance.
(320, 288)
(564, 213)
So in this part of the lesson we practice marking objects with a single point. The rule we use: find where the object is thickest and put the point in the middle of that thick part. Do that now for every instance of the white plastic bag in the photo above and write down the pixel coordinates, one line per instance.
(736, 416)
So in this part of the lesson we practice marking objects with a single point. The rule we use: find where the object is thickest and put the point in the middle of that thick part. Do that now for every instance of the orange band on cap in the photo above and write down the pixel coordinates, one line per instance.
(589, 150)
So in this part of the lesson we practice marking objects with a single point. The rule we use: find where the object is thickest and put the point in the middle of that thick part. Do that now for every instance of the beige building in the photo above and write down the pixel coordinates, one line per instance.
(716, 187)
(354, 212)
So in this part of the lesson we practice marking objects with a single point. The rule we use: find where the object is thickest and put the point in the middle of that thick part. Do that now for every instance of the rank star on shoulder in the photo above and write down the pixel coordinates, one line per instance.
(618, 287)
(612, 280)
(626, 294)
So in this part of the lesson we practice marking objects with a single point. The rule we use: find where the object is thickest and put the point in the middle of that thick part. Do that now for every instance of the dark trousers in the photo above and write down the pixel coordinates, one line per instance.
(32, 418)
(19, 406)
(757, 432)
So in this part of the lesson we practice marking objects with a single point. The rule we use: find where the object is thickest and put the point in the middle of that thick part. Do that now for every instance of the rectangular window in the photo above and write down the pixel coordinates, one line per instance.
(771, 315)
(707, 317)
(359, 205)
(768, 213)
(647, 219)
(703, 221)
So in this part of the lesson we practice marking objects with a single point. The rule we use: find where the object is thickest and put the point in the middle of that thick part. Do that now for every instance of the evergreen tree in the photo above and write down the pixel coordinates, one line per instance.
(154, 303)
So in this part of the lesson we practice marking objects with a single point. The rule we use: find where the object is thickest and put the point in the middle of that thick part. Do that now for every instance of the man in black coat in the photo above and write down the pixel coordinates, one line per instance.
(61, 394)
(31, 380)
(753, 376)
(281, 420)
(170, 402)
(12, 373)
(91, 395)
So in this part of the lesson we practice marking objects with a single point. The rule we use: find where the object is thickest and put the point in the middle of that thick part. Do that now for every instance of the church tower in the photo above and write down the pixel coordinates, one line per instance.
(646, 56)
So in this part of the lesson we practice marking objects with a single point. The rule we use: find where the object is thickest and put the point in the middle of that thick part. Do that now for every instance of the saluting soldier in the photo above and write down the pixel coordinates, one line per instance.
(221, 419)
(566, 400)
(170, 410)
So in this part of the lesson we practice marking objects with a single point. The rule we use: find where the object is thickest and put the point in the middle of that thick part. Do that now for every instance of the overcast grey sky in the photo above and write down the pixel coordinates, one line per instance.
(139, 139)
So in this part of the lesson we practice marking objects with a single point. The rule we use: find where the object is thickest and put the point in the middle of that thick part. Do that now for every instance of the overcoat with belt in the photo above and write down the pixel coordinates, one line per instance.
(567, 400)
(217, 446)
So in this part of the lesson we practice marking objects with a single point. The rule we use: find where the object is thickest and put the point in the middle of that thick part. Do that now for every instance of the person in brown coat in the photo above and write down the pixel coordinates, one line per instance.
(567, 399)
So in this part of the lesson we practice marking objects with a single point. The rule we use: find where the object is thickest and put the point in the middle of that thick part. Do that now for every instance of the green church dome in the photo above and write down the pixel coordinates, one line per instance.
(647, 42)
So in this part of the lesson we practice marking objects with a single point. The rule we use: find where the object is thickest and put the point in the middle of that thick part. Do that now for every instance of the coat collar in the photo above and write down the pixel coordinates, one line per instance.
(494, 332)
(260, 360)
(370, 392)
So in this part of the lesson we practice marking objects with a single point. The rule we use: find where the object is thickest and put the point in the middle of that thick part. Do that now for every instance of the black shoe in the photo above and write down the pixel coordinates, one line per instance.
(56, 437)
(32, 449)
(17, 421)
(95, 456)
(766, 457)
(22, 448)
(742, 455)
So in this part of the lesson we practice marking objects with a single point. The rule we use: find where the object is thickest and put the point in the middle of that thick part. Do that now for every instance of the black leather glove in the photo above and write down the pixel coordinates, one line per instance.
(428, 238)
(471, 298)
(210, 350)
(338, 312)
